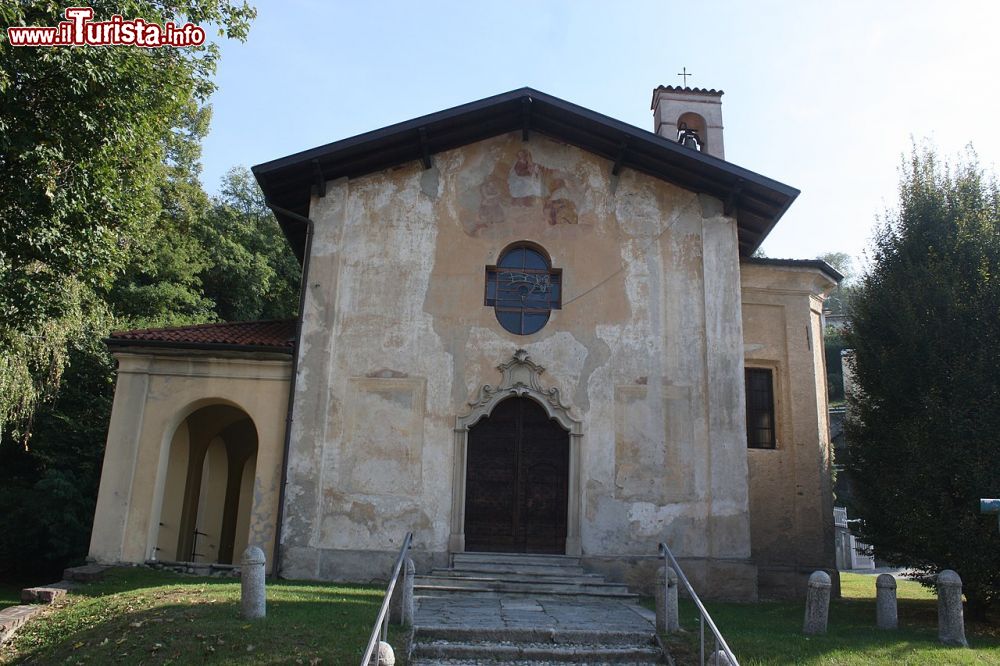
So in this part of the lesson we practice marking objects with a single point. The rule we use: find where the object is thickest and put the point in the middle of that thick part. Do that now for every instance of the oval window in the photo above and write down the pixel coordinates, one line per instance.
(523, 289)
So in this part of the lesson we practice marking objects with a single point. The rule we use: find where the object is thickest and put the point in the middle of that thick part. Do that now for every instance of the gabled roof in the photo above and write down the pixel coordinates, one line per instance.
(758, 201)
(276, 335)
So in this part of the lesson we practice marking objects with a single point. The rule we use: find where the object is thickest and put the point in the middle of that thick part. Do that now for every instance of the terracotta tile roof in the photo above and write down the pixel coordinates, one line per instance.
(273, 335)
(679, 89)
(703, 91)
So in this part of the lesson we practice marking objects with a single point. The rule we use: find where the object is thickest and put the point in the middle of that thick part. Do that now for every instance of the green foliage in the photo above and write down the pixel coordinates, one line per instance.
(104, 225)
(251, 272)
(48, 486)
(83, 135)
(161, 284)
(833, 344)
(838, 301)
(925, 330)
(841, 262)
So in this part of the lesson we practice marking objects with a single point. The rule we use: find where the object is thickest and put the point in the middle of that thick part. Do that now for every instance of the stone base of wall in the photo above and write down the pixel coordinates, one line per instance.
(196, 568)
(713, 579)
(351, 566)
(777, 581)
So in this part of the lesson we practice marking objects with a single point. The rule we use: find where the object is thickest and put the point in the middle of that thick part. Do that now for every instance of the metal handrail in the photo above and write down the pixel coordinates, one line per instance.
(381, 627)
(720, 642)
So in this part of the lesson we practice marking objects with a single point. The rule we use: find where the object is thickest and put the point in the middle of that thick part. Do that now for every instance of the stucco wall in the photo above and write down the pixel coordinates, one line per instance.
(155, 393)
(647, 351)
(791, 501)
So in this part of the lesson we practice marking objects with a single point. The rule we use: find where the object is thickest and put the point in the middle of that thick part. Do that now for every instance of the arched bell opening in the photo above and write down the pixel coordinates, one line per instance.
(692, 131)
(208, 490)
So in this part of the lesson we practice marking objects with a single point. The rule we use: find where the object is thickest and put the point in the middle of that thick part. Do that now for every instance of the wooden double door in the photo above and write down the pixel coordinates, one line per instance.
(517, 481)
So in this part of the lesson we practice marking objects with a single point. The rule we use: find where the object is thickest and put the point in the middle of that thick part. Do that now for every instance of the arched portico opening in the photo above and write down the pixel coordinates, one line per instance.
(543, 478)
(208, 490)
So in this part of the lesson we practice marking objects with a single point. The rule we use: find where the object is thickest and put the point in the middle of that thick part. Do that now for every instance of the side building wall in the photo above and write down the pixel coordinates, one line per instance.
(791, 499)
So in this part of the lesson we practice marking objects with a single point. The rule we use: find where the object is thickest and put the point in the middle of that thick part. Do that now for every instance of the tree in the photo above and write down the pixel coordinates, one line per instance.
(99, 192)
(841, 262)
(82, 138)
(837, 302)
(48, 491)
(924, 429)
(161, 285)
(251, 273)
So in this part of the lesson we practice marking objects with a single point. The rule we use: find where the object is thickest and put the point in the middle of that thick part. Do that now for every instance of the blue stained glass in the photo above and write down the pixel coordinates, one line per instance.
(523, 289)
(510, 320)
(535, 260)
(513, 259)
(534, 321)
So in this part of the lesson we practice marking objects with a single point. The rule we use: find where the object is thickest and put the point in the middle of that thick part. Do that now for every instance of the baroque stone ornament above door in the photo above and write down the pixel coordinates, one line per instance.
(521, 377)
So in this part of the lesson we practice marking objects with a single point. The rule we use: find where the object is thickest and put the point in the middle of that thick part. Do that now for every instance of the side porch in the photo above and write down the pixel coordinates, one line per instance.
(193, 464)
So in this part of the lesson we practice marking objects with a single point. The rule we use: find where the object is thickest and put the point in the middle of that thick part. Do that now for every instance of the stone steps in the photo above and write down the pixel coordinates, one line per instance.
(535, 635)
(13, 618)
(515, 558)
(432, 584)
(491, 662)
(518, 568)
(435, 652)
(556, 576)
(508, 608)
(521, 646)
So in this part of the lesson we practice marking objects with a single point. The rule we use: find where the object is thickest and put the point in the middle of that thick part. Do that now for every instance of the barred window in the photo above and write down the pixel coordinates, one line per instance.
(523, 288)
(760, 408)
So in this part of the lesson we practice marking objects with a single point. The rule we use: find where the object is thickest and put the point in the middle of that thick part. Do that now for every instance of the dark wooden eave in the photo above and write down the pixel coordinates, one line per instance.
(814, 264)
(757, 201)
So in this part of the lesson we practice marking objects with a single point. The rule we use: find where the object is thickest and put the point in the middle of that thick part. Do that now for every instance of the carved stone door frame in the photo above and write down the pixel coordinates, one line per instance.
(521, 377)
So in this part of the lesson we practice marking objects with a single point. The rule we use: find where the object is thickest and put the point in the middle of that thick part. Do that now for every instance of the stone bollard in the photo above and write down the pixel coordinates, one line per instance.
(951, 622)
(817, 603)
(667, 616)
(409, 571)
(253, 602)
(885, 602)
(384, 656)
(720, 659)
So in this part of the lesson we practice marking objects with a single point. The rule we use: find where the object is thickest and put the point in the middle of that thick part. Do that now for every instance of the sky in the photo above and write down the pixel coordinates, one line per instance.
(827, 97)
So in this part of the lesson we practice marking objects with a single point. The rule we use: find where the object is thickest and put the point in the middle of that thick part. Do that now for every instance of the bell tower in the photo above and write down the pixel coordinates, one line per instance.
(690, 116)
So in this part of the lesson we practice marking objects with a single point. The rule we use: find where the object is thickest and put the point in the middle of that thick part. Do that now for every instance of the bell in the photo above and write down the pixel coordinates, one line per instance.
(688, 137)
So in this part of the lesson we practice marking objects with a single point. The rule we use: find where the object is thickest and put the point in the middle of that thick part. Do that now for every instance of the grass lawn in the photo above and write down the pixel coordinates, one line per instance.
(139, 616)
(771, 632)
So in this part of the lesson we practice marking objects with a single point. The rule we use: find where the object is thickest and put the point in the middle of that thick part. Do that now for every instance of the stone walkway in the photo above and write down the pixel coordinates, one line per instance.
(538, 613)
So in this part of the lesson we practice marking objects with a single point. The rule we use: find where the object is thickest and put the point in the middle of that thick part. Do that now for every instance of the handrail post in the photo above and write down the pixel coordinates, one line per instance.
(701, 634)
(703, 618)
(381, 628)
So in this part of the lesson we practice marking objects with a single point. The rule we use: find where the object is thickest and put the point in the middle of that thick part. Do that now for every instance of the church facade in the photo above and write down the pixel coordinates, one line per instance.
(524, 327)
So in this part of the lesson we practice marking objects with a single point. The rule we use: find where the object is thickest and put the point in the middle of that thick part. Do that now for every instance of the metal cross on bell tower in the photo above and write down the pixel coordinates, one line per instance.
(685, 74)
